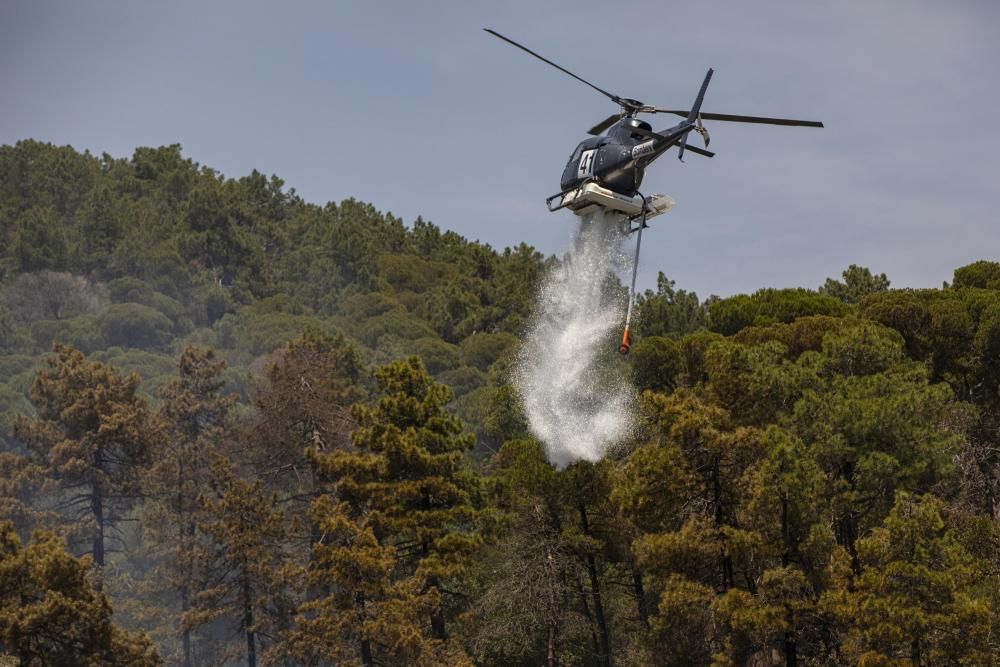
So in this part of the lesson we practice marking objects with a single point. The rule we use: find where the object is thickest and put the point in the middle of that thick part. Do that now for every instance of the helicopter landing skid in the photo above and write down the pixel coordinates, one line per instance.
(584, 199)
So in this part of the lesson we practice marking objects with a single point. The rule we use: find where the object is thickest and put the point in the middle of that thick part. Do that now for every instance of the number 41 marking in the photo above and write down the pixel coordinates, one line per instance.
(586, 167)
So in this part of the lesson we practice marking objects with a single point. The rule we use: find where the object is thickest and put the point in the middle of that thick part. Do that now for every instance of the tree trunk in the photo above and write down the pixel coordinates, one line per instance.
(552, 659)
(786, 538)
(602, 626)
(640, 595)
(248, 625)
(185, 633)
(595, 591)
(187, 530)
(366, 645)
(586, 611)
(437, 617)
(727, 562)
(97, 506)
(791, 651)
(366, 653)
(847, 536)
(438, 630)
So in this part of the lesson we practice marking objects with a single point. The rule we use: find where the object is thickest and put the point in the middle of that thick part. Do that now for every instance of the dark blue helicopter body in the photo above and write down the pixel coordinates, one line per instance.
(617, 160)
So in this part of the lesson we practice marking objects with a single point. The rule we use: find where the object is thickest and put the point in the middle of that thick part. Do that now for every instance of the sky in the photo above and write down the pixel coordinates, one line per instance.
(412, 107)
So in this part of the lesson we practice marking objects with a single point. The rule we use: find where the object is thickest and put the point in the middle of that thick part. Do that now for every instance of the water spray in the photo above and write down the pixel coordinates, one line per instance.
(576, 399)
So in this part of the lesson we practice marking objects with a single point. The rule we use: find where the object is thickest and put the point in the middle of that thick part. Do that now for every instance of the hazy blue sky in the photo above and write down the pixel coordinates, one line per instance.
(410, 106)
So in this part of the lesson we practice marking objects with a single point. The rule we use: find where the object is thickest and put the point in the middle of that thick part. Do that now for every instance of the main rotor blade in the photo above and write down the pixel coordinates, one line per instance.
(614, 98)
(604, 124)
(743, 119)
(700, 151)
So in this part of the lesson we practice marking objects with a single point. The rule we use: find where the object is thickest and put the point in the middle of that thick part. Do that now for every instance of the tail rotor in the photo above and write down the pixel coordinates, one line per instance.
(694, 117)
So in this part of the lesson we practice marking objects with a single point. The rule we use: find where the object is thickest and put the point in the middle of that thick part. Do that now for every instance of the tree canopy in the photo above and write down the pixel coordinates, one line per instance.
(270, 432)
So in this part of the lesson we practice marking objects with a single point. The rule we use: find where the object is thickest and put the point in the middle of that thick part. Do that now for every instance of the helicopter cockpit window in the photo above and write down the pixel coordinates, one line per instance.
(575, 155)
(642, 124)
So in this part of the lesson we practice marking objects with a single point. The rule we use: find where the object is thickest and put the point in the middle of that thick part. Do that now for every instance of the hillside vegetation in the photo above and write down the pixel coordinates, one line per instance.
(240, 428)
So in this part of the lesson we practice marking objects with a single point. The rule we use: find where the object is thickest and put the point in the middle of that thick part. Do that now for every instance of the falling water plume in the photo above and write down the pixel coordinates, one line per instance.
(575, 396)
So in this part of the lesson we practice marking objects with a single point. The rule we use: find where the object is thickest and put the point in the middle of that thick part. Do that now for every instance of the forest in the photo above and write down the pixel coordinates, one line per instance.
(238, 428)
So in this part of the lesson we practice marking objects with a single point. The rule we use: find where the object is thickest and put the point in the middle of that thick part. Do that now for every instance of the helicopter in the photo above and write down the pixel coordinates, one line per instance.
(604, 172)
(617, 160)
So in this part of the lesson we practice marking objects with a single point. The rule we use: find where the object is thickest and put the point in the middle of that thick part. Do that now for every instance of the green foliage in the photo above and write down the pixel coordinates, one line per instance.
(16, 376)
(462, 380)
(752, 537)
(405, 272)
(982, 274)
(949, 329)
(805, 333)
(668, 311)
(408, 471)
(656, 363)
(812, 481)
(11, 365)
(152, 367)
(405, 496)
(243, 578)
(50, 613)
(13, 339)
(90, 437)
(481, 350)
(396, 322)
(858, 282)
(694, 347)
(100, 226)
(134, 325)
(179, 239)
(505, 418)
(769, 306)
(436, 355)
(922, 594)
(81, 332)
(40, 243)
(260, 334)
(132, 290)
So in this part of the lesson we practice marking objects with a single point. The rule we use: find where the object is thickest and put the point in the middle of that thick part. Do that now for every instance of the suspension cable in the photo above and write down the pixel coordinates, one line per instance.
(626, 343)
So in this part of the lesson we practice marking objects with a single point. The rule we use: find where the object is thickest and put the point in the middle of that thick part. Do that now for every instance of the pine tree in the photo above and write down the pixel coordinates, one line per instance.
(923, 597)
(527, 606)
(246, 578)
(193, 417)
(783, 496)
(363, 611)
(50, 614)
(682, 492)
(406, 485)
(23, 489)
(305, 406)
(91, 437)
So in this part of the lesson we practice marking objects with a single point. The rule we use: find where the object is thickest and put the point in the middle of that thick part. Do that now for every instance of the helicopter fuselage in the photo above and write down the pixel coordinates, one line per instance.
(618, 160)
